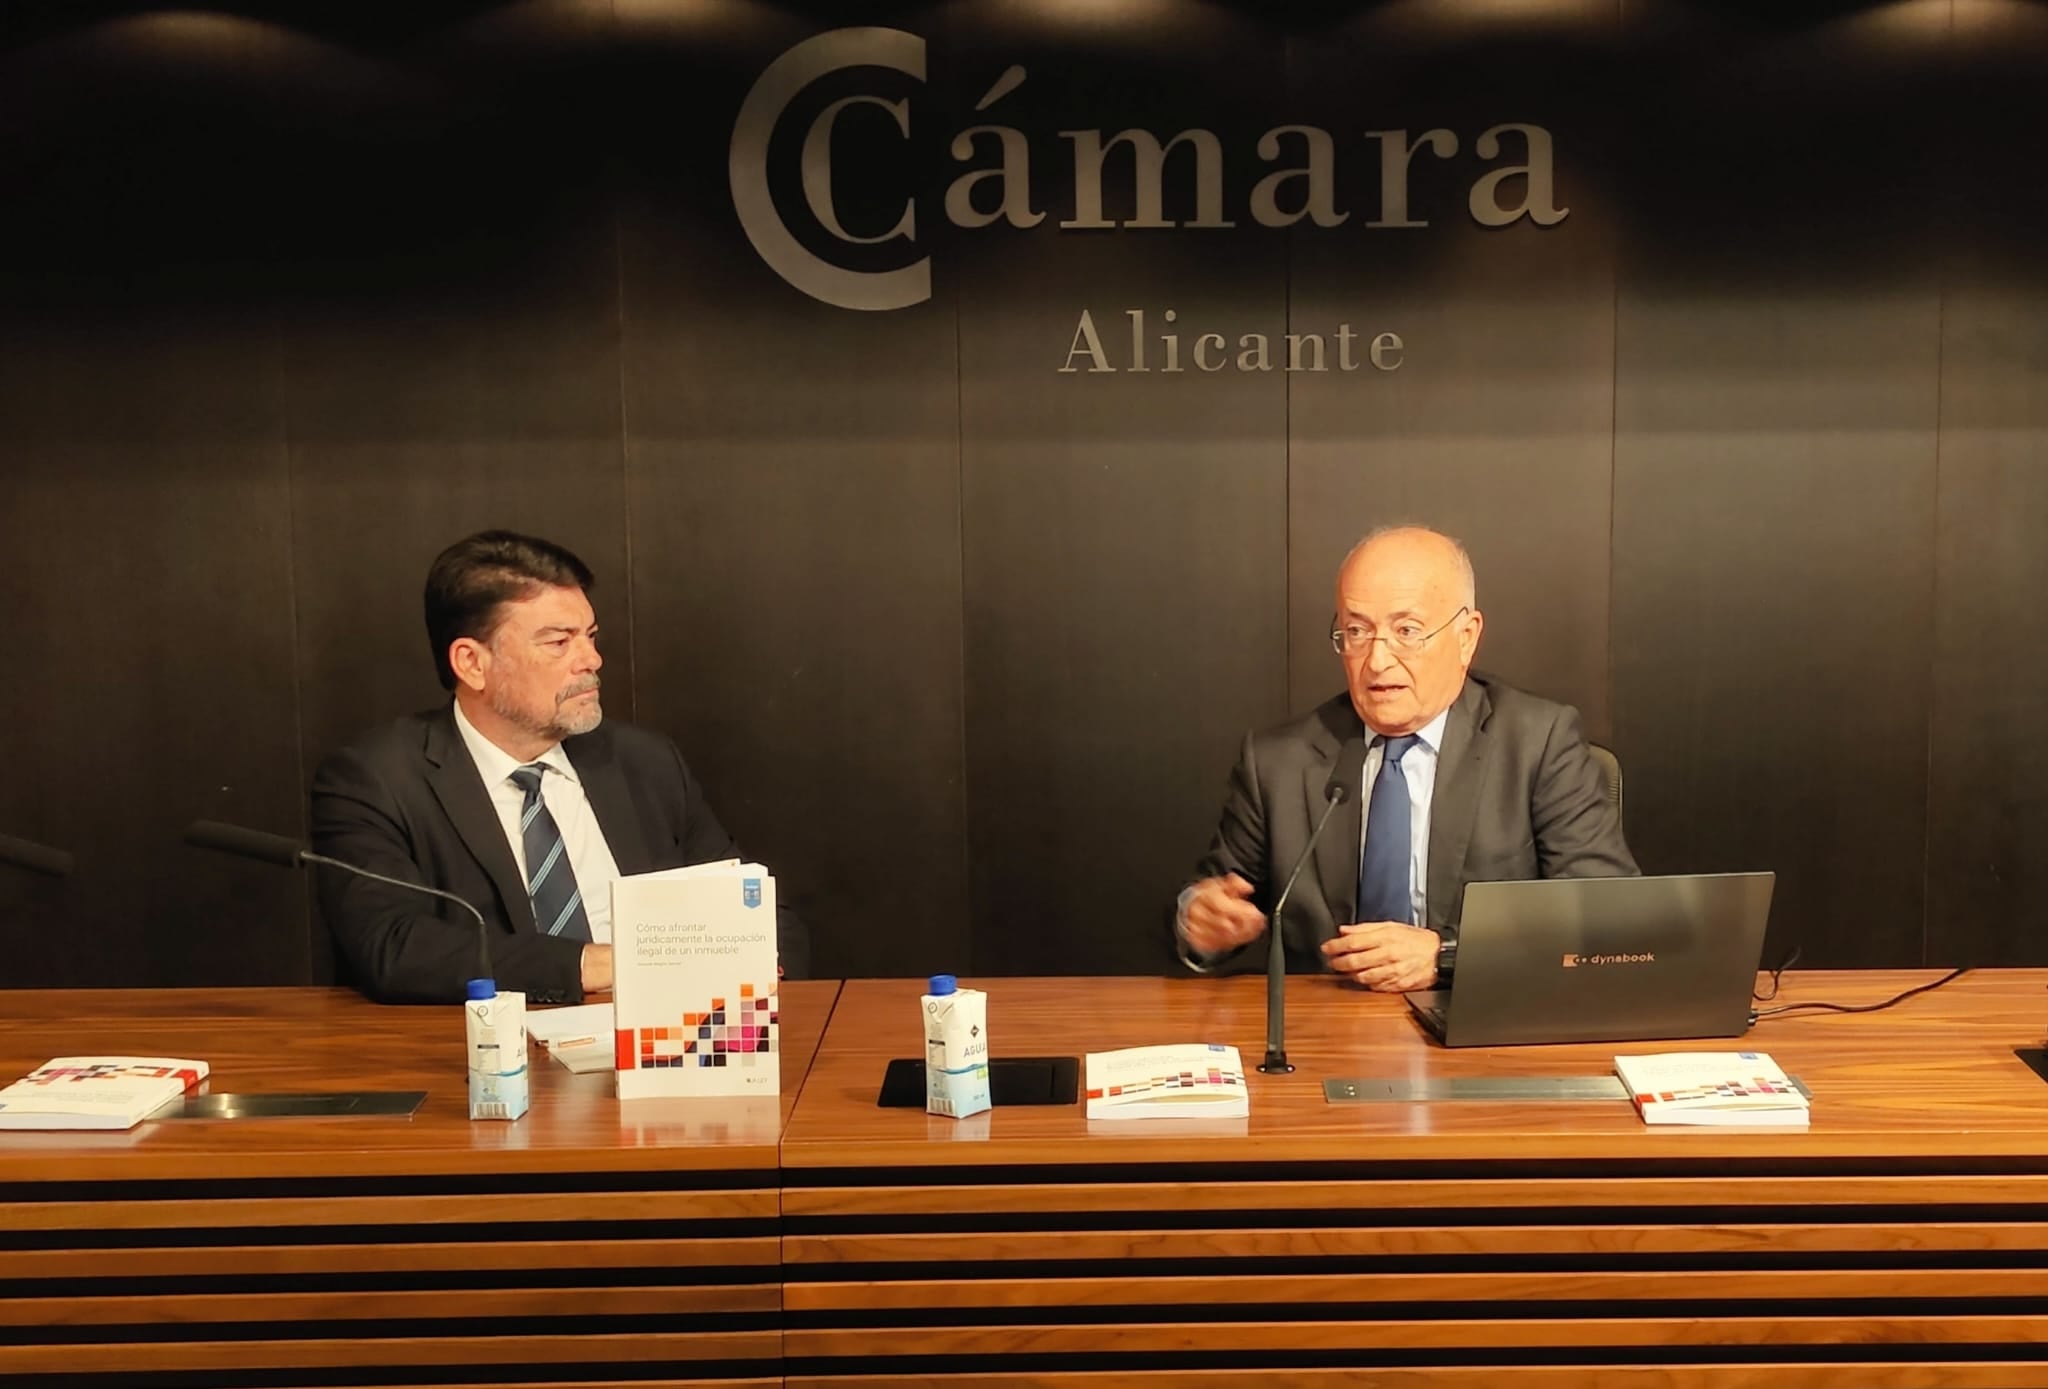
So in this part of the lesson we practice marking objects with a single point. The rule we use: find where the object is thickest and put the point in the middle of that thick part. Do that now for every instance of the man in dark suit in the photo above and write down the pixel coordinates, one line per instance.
(1449, 778)
(517, 796)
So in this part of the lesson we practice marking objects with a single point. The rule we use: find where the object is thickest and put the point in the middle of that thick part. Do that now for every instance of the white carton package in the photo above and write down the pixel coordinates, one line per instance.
(496, 1027)
(955, 1049)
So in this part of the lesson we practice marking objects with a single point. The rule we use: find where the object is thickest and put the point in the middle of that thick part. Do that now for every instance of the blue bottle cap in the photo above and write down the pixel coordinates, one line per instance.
(943, 984)
(482, 988)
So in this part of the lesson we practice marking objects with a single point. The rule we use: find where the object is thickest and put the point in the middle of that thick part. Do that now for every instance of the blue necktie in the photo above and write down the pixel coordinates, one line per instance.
(1383, 889)
(557, 902)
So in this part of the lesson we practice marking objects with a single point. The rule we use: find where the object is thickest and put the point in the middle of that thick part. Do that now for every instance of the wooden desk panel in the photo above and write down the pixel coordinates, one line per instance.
(1458, 1243)
(287, 1040)
(586, 1234)
(1934, 1079)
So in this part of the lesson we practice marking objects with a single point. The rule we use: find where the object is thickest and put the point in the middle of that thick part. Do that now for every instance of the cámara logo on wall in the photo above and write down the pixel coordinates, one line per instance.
(1506, 168)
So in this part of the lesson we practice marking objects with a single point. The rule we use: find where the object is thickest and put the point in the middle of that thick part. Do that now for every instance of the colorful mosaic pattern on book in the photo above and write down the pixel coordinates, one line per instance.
(55, 1075)
(722, 1036)
(1726, 1090)
(1215, 1076)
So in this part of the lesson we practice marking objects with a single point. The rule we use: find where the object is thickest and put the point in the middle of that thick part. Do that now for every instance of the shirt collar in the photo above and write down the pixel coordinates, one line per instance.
(495, 764)
(1431, 734)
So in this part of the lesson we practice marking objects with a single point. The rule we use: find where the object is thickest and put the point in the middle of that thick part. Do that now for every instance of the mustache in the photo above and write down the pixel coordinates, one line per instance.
(583, 686)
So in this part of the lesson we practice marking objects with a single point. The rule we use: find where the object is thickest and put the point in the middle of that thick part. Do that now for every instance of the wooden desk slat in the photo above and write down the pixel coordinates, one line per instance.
(721, 1381)
(717, 1382)
(204, 1261)
(2029, 1374)
(1028, 1198)
(526, 1207)
(1236, 1336)
(1481, 1241)
(409, 1304)
(1950, 1285)
(162, 1357)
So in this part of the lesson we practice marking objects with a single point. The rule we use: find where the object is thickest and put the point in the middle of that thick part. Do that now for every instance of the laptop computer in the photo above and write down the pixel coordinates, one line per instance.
(1603, 960)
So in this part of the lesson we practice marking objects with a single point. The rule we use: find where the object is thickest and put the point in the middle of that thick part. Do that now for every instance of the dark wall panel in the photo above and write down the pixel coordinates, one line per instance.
(448, 274)
(452, 354)
(1774, 460)
(1498, 425)
(1987, 856)
(1749, 449)
(795, 525)
(1123, 532)
(148, 570)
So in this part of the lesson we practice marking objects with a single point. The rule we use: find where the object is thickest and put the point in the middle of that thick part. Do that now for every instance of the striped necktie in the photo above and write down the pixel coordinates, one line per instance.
(550, 883)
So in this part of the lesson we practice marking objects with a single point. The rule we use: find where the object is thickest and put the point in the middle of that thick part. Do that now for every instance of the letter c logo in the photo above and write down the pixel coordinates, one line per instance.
(747, 168)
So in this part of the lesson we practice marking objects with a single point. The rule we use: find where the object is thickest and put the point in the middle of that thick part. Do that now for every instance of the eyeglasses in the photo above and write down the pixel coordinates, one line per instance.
(1407, 638)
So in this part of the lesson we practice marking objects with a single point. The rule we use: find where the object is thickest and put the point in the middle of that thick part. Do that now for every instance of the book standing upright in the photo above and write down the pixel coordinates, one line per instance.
(694, 982)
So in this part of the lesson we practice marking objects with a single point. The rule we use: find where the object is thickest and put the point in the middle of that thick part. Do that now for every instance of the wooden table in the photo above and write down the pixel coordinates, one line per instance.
(585, 1241)
(1899, 1242)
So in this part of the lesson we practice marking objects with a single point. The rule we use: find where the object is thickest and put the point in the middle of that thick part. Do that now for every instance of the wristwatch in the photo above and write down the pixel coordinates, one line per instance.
(1446, 956)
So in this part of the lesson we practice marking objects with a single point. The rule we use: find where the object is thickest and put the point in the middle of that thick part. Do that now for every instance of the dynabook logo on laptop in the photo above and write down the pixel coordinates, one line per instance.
(1573, 961)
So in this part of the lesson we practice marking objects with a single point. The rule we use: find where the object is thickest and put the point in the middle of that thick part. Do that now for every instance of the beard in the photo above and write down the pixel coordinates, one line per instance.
(581, 716)
(566, 720)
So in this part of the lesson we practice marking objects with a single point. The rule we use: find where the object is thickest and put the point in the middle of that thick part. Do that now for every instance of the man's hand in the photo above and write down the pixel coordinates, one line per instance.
(597, 969)
(1384, 955)
(1221, 916)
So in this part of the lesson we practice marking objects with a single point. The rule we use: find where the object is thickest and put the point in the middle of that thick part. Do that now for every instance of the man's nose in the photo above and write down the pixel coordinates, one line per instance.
(1380, 656)
(592, 657)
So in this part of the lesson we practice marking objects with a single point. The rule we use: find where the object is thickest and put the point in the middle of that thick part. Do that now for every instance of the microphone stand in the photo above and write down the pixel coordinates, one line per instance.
(483, 932)
(289, 853)
(1276, 1062)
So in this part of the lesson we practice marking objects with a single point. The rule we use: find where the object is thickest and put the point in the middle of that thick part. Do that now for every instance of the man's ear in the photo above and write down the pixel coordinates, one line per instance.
(1468, 636)
(470, 659)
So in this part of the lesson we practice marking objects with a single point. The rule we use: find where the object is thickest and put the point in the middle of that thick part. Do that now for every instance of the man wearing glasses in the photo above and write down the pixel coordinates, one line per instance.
(1462, 779)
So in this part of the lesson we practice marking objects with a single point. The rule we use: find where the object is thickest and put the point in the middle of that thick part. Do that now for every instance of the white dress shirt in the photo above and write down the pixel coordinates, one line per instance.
(561, 790)
(1418, 769)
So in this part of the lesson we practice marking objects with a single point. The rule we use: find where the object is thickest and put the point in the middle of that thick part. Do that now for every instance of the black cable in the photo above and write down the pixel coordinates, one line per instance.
(1791, 958)
(1758, 1015)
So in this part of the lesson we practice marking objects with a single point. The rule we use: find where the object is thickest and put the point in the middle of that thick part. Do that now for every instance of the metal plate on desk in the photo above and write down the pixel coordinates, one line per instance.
(1522, 1089)
(1518, 1088)
(386, 1104)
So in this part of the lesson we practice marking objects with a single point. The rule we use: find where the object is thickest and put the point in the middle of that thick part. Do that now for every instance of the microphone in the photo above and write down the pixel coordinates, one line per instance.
(289, 853)
(36, 858)
(1343, 781)
(245, 843)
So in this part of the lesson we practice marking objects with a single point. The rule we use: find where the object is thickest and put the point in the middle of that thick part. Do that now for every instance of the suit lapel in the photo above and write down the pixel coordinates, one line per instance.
(452, 773)
(611, 800)
(1337, 850)
(1454, 805)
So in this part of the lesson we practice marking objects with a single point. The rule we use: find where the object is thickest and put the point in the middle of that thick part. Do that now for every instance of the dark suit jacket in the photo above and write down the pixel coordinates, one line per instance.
(405, 800)
(1517, 796)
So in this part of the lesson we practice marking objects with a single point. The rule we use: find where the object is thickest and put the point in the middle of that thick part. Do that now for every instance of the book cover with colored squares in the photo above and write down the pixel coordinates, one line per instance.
(693, 987)
(1191, 1078)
